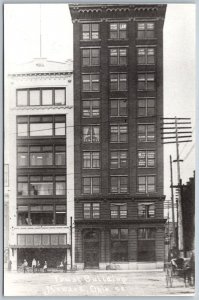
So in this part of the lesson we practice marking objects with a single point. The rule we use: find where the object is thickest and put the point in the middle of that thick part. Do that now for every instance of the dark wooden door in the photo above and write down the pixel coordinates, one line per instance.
(91, 251)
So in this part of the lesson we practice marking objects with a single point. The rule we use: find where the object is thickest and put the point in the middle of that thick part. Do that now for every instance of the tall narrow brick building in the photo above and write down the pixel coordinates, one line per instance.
(118, 103)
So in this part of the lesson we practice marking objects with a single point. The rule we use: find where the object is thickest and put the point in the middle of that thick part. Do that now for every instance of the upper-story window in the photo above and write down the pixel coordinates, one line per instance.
(146, 184)
(146, 82)
(119, 184)
(91, 134)
(118, 56)
(91, 83)
(146, 158)
(146, 133)
(146, 30)
(91, 210)
(146, 56)
(146, 210)
(118, 107)
(41, 96)
(119, 133)
(91, 159)
(36, 126)
(146, 107)
(118, 82)
(118, 31)
(91, 185)
(118, 159)
(118, 210)
(90, 31)
(90, 108)
(90, 57)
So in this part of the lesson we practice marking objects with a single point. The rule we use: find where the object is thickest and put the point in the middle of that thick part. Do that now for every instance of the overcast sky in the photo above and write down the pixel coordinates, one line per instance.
(22, 37)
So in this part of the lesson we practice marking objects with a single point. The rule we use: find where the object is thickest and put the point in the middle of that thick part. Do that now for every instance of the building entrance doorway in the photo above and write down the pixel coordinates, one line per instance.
(91, 249)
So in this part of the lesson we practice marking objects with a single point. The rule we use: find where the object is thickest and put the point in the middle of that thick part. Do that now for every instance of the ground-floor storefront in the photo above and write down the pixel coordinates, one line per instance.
(119, 246)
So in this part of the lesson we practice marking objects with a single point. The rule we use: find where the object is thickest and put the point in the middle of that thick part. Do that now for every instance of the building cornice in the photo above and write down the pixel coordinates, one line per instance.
(32, 108)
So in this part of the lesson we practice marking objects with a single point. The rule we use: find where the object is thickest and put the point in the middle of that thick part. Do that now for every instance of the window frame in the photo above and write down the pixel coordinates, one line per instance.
(91, 159)
(91, 185)
(146, 184)
(91, 108)
(91, 210)
(146, 30)
(118, 81)
(118, 56)
(119, 184)
(119, 133)
(119, 108)
(90, 32)
(90, 57)
(119, 158)
(146, 56)
(119, 210)
(146, 158)
(146, 138)
(146, 205)
(118, 31)
(146, 107)
(122, 241)
(90, 82)
(146, 81)
(91, 134)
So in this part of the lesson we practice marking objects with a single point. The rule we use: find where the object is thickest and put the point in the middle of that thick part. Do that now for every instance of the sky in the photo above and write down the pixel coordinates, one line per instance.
(22, 44)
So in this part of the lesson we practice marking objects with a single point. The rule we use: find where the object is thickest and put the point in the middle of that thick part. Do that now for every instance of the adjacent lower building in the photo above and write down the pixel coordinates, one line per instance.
(118, 103)
(39, 150)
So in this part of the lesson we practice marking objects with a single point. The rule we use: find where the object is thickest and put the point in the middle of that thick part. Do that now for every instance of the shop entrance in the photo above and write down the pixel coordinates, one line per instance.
(91, 249)
(52, 256)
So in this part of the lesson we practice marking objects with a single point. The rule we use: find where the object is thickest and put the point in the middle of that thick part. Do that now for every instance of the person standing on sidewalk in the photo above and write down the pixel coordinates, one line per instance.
(45, 267)
(38, 266)
(25, 265)
(34, 264)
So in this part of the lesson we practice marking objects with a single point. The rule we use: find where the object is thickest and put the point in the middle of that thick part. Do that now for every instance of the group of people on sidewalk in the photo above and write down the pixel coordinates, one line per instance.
(36, 266)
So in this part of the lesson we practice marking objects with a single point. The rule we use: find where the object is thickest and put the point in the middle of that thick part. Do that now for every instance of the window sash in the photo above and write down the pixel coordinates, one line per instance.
(146, 184)
(119, 184)
(90, 31)
(146, 158)
(119, 133)
(91, 185)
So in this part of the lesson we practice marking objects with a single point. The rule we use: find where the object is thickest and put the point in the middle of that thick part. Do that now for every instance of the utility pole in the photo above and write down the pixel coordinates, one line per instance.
(172, 203)
(174, 131)
(71, 242)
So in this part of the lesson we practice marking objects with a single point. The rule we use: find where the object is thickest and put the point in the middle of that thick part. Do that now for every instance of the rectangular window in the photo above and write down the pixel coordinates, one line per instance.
(119, 133)
(60, 185)
(91, 134)
(22, 156)
(91, 108)
(118, 108)
(22, 215)
(60, 215)
(47, 97)
(41, 155)
(22, 97)
(146, 107)
(146, 30)
(118, 56)
(146, 158)
(118, 31)
(90, 31)
(146, 56)
(41, 185)
(60, 155)
(118, 210)
(90, 57)
(146, 244)
(91, 185)
(91, 210)
(90, 83)
(118, 82)
(146, 210)
(22, 185)
(146, 133)
(119, 245)
(146, 184)
(146, 82)
(35, 97)
(60, 96)
(91, 160)
(119, 184)
(41, 215)
(119, 159)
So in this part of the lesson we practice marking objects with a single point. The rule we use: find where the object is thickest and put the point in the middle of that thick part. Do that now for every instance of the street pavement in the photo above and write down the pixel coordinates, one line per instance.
(93, 283)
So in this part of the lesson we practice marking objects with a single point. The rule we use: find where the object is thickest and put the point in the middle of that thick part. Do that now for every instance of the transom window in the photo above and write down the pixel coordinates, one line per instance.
(90, 83)
(118, 56)
(146, 210)
(146, 133)
(146, 81)
(90, 108)
(146, 158)
(91, 159)
(119, 159)
(118, 107)
(146, 184)
(91, 210)
(146, 30)
(118, 210)
(118, 31)
(119, 244)
(118, 82)
(90, 57)
(146, 233)
(91, 185)
(41, 96)
(90, 31)
(119, 184)
(91, 134)
(146, 56)
(146, 107)
(119, 133)
(36, 126)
